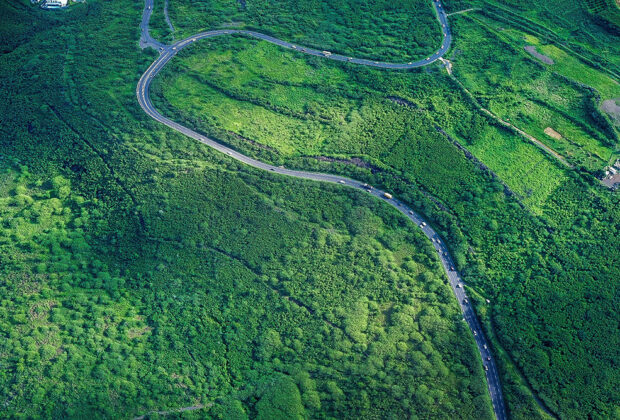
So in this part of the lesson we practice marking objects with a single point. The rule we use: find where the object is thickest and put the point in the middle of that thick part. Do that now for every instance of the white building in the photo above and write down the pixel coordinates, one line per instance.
(55, 4)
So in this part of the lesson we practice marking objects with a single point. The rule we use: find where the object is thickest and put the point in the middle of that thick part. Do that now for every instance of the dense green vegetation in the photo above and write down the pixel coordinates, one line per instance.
(515, 87)
(295, 105)
(269, 279)
(544, 253)
(400, 30)
(574, 25)
(158, 27)
(141, 271)
(155, 274)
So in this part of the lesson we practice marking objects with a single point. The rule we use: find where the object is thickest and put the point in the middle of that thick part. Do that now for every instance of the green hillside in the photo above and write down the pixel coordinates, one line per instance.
(288, 108)
(400, 30)
(141, 271)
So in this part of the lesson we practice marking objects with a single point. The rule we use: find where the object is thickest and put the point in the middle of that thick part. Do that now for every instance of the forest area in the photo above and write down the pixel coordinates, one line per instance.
(327, 116)
(142, 272)
(400, 31)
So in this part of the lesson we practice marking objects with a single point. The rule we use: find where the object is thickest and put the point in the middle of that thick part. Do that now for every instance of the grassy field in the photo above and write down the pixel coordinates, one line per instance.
(573, 68)
(378, 29)
(529, 94)
(588, 32)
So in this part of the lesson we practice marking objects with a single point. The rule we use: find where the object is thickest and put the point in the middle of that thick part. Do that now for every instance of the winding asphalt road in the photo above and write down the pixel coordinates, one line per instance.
(167, 52)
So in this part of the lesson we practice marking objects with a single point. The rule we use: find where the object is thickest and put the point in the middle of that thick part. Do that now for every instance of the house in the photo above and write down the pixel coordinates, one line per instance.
(55, 4)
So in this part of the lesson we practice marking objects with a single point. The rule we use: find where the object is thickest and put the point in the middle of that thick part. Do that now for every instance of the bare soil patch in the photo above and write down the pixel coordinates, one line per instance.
(229, 24)
(138, 332)
(401, 101)
(40, 310)
(552, 133)
(532, 50)
(612, 108)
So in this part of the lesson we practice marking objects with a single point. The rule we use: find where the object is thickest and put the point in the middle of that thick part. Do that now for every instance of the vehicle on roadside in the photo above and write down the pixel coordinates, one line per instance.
(486, 367)
(388, 196)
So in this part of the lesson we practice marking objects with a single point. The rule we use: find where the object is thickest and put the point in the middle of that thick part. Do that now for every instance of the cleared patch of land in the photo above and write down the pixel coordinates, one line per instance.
(612, 108)
(552, 133)
(532, 50)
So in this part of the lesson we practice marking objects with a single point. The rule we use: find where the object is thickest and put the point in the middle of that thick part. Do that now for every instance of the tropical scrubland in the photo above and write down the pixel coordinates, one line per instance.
(140, 271)
(401, 30)
(533, 236)
(250, 304)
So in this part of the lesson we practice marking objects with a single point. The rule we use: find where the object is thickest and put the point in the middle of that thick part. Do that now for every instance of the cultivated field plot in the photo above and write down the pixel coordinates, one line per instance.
(531, 95)
(585, 26)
